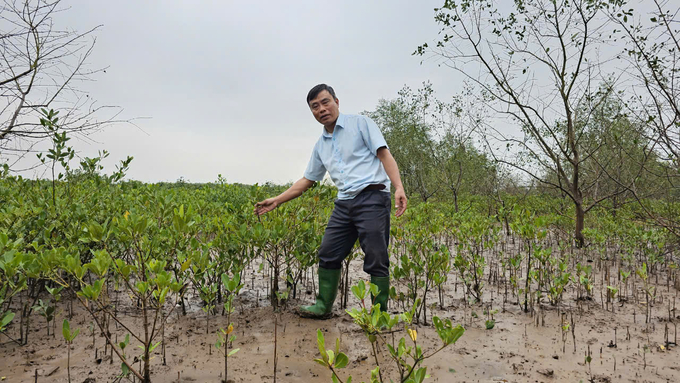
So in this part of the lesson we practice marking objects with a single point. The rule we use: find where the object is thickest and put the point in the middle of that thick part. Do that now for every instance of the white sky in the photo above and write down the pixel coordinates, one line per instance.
(224, 82)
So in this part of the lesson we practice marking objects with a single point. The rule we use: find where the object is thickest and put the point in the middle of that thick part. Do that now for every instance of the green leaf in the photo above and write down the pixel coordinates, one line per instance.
(321, 342)
(341, 360)
(420, 375)
(6, 319)
(359, 290)
(125, 342)
(66, 330)
(232, 352)
(153, 347)
(375, 373)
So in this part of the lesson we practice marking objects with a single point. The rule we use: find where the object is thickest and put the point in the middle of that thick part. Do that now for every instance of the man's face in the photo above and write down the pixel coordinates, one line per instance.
(325, 108)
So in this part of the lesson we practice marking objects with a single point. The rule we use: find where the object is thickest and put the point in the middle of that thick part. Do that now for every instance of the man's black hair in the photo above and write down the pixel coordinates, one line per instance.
(318, 89)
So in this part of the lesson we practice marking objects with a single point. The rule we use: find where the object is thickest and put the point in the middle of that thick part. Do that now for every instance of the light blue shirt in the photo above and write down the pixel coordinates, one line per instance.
(350, 156)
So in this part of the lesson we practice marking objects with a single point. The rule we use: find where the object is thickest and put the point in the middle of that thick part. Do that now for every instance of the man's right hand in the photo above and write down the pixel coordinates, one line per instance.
(294, 191)
(265, 206)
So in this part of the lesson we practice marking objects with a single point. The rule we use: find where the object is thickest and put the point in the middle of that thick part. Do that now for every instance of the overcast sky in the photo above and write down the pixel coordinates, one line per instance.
(223, 83)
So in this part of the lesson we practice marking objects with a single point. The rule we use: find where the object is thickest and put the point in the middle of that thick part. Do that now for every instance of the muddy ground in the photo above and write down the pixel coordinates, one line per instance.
(517, 349)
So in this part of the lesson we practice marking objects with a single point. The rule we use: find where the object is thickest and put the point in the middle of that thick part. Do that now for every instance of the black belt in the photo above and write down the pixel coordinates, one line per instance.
(374, 187)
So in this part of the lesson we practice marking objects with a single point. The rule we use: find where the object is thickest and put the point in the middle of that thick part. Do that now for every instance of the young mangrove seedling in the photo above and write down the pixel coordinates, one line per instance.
(408, 359)
(69, 337)
(46, 311)
(232, 287)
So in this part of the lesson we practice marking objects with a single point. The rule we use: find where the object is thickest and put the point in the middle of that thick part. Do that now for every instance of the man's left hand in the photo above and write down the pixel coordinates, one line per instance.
(400, 201)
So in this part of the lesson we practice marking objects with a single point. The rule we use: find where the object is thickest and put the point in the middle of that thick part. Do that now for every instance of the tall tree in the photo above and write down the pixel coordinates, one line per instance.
(409, 136)
(652, 51)
(41, 66)
(433, 141)
(538, 62)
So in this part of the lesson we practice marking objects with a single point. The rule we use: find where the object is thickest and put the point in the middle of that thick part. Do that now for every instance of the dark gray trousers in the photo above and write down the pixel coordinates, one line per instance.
(366, 217)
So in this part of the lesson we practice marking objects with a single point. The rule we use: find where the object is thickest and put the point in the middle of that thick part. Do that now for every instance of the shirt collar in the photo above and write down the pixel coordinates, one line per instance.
(340, 123)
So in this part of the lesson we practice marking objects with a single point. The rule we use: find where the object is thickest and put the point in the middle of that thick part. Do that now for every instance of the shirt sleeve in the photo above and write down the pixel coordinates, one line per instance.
(371, 135)
(315, 169)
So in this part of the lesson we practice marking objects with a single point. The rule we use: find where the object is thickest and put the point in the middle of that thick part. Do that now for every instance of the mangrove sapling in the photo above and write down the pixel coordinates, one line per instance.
(288, 238)
(333, 359)
(476, 234)
(440, 280)
(56, 296)
(145, 279)
(208, 295)
(69, 336)
(197, 263)
(223, 341)
(46, 311)
(35, 283)
(558, 282)
(490, 321)
(543, 274)
(649, 290)
(422, 260)
(282, 298)
(515, 264)
(624, 275)
(531, 228)
(60, 153)
(611, 294)
(345, 280)
(125, 371)
(585, 287)
(375, 323)
(89, 293)
(232, 286)
(12, 278)
(565, 331)
(589, 359)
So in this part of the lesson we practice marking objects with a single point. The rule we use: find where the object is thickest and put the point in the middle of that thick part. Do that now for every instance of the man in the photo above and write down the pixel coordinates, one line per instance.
(355, 154)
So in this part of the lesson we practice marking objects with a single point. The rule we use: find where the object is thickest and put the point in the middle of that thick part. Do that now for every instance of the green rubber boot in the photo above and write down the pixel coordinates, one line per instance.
(328, 290)
(383, 284)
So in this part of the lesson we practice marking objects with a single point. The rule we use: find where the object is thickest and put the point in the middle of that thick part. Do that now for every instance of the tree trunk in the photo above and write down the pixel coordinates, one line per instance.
(455, 199)
(578, 234)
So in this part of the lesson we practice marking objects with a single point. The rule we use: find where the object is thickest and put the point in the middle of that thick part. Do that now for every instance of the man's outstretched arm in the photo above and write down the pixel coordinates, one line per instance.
(392, 171)
(296, 190)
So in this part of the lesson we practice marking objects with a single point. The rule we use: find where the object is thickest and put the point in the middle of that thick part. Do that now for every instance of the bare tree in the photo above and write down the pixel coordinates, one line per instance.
(463, 168)
(539, 64)
(41, 66)
(653, 53)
